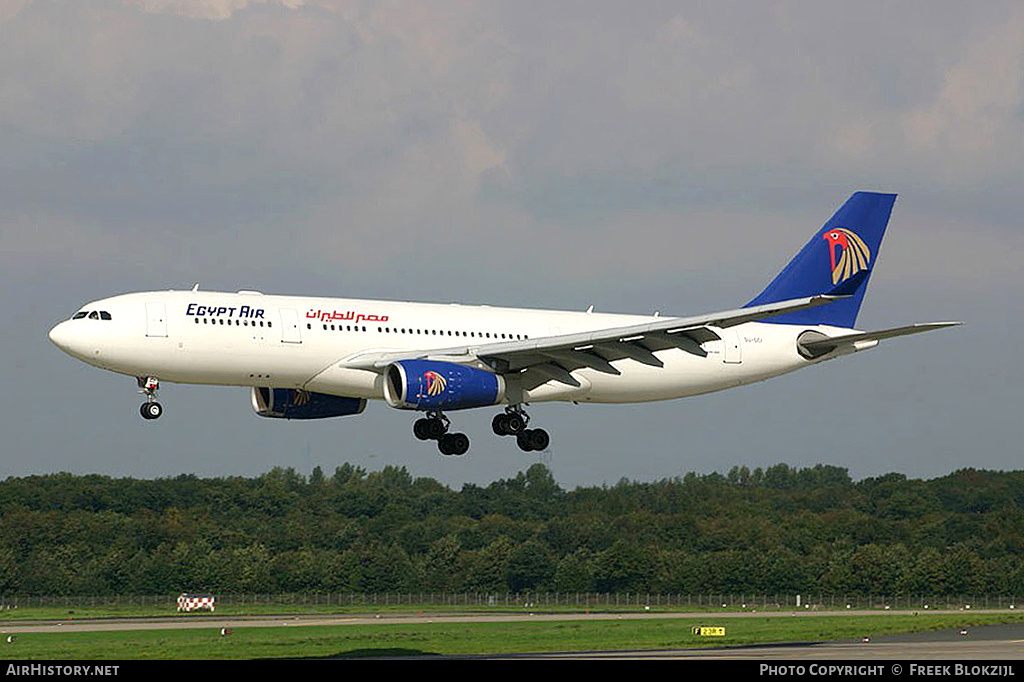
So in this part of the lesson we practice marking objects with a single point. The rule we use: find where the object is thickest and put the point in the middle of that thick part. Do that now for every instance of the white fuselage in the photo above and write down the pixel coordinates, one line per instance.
(255, 340)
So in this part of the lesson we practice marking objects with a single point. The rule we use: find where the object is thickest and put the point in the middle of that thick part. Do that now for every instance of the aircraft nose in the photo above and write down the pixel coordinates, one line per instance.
(80, 340)
(65, 337)
(60, 336)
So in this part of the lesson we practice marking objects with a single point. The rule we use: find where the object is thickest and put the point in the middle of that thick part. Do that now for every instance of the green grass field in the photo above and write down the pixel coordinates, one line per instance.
(397, 639)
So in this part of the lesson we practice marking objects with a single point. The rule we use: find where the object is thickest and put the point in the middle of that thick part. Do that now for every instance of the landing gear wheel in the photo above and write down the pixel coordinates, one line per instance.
(431, 427)
(421, 429)
(151, 410)
(514, 423)
(510, 422)
(533, 440)
(540, 439)
(453, 444)
(435, 426)
(436, 429)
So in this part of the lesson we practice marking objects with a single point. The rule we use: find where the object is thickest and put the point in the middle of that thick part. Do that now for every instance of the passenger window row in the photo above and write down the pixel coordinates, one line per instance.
(424, 332)
(230, 322)
(342, 328)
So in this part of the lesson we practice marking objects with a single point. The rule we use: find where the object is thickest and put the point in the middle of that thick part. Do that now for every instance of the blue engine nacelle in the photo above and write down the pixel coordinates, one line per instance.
(290, 403)
(434, 385)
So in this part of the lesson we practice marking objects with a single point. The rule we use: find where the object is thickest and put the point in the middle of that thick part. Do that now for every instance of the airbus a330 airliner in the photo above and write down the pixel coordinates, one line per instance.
(311, 358)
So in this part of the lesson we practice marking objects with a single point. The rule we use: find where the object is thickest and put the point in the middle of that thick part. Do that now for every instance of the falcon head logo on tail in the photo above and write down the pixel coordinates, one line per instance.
(854, 254)
(853, 238)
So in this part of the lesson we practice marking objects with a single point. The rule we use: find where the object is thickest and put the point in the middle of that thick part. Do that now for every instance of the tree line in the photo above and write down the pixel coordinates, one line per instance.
(775, 530)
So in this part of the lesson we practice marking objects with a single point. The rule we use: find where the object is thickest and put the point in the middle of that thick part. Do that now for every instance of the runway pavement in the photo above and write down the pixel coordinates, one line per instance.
(995, 642)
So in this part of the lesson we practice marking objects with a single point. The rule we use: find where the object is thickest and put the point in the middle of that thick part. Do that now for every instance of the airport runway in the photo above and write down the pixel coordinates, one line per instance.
(993, 642)
(943, 647)
(206, 620)
(981, 643)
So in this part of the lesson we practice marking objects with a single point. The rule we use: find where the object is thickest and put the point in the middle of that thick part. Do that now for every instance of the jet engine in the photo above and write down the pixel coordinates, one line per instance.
(290, 403)
(436, 385)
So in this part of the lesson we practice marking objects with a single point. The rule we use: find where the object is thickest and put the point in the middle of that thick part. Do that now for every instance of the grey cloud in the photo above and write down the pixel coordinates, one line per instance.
(402, 116)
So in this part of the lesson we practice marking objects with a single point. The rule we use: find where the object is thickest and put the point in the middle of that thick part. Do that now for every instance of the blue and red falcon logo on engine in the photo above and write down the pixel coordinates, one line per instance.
(435, 383)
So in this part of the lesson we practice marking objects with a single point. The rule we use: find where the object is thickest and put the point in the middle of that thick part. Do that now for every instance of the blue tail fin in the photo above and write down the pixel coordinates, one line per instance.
(838, 259)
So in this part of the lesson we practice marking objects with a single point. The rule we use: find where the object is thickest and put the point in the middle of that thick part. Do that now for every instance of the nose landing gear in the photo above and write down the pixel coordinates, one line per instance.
(512, 422)
(150, 409)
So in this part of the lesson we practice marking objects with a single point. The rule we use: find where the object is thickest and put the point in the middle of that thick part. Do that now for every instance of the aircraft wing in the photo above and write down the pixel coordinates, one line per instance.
(554, 357)
(821, 346)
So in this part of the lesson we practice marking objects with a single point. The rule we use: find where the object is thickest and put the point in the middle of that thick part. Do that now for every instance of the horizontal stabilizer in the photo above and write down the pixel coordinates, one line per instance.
(820, 346)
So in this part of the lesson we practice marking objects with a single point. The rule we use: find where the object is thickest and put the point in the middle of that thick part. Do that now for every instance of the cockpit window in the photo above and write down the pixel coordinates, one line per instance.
(94, 315)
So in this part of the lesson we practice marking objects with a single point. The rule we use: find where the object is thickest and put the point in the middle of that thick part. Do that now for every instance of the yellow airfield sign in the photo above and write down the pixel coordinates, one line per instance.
(701, 631)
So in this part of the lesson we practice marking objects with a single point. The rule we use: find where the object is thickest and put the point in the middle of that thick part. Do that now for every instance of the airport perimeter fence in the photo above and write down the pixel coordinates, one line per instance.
(532, 600)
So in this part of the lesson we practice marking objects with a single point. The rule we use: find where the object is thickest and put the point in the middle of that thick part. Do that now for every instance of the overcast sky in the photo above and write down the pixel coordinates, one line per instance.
(636, 156)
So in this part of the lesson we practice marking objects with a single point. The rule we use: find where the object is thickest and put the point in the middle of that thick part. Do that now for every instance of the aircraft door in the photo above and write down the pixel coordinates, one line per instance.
(732, 351)
(156, 319)
(290, 332)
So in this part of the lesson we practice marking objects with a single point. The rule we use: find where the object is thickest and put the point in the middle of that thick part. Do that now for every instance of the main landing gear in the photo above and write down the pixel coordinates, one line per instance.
(150, 409)
(512, 422)
(435, 427)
